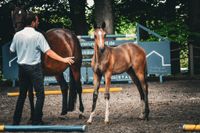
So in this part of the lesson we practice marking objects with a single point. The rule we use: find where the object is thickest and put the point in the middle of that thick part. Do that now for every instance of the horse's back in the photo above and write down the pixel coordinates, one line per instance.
(131, 46)
(128, 55)
(129, 49)
(64, 43)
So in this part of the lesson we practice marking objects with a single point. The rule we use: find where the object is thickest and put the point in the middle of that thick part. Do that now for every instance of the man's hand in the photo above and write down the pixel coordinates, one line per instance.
(55, 56)
(69, 60)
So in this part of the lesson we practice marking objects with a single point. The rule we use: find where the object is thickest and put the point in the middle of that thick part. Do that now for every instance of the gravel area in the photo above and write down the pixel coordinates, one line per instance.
(172, 104)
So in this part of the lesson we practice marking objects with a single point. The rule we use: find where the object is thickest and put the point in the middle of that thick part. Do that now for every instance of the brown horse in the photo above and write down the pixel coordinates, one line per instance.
(64, 43)
(108, 61)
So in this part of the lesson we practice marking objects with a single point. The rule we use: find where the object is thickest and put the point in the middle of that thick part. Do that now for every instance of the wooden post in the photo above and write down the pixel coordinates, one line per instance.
(191, 59)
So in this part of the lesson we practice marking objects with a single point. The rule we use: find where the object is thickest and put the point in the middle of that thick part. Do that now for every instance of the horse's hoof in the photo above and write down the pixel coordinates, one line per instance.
(29, 122)
(81, 116)
(62, 117)
(64, 112)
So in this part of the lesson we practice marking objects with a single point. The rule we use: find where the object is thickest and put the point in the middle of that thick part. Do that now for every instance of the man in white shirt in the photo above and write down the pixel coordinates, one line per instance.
(28, 44)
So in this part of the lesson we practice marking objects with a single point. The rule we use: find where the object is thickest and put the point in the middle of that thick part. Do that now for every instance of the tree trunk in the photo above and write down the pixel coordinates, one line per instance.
(77, 11)
(104, 13)
(194, 37)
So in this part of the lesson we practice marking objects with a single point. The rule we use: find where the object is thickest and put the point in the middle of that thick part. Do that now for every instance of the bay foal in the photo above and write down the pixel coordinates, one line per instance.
(108, 61)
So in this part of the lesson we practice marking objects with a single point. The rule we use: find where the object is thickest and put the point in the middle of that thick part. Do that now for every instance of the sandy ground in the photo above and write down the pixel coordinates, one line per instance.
(172, 104)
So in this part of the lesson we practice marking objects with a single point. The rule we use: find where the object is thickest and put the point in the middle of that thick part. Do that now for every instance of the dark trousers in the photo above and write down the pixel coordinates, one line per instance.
(30, 75)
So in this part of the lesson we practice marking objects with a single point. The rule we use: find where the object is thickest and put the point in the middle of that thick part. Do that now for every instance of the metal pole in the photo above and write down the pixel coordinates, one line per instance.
(42, 128)
(57, 92)
(161, 78)
(191, 127)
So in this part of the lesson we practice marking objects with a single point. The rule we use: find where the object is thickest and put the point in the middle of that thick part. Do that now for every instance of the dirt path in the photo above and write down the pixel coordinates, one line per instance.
(172, 104)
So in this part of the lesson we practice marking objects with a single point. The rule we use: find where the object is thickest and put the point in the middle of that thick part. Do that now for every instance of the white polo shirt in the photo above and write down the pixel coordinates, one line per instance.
(28, 44)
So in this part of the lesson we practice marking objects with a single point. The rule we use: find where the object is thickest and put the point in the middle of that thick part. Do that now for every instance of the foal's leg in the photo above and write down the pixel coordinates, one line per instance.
(64, 89)
(97, 79)
(77, 83)
(107, 95)
(145, 111)
(138, 78)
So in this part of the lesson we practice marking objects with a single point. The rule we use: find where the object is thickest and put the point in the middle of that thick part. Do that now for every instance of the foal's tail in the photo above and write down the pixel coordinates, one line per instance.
(72, 92)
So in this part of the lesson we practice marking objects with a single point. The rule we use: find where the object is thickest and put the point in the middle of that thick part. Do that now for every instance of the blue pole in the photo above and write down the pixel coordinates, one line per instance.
(43, 128)
(110, 36)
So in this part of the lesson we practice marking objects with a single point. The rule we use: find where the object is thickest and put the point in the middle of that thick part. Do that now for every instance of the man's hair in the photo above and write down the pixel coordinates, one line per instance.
(29, 18)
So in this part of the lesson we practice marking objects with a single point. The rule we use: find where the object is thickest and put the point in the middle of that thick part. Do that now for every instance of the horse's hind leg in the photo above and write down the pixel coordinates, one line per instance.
(75, 82)
(138, 78)
(64, 89)
(97, 79)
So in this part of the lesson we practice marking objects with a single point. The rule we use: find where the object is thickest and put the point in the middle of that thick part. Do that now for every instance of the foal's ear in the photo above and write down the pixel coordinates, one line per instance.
(103, 26)
(95, 25)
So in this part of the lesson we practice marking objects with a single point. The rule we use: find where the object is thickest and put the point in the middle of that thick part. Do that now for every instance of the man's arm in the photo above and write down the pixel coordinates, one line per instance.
(55, 56)
(12, 46)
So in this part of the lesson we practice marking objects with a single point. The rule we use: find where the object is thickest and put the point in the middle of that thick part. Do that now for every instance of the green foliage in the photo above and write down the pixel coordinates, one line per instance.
(167, 18)
(60, 21)
(125, 26)
(184, 58)
(176, 31)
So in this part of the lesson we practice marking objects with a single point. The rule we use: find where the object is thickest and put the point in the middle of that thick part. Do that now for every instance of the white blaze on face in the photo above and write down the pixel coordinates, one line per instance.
(100, 34)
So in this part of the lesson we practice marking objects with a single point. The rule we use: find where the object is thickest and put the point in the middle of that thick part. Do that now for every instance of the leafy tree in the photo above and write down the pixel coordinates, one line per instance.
(175, 19)
(167, 18)
(78, 17)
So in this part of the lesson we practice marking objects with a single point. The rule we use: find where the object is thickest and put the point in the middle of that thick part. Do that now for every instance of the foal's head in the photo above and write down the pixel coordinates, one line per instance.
(99, 38)
(18, 15)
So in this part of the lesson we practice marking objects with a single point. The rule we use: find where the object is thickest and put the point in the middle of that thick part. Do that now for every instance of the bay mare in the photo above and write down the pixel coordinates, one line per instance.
(66, 44)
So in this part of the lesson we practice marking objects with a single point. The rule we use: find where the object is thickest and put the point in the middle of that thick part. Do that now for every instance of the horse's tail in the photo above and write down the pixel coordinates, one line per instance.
(72, 92)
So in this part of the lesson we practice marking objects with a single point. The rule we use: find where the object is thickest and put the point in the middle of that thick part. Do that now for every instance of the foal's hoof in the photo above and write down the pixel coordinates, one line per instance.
(89, 122)
(143, 117)
(107, 122)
